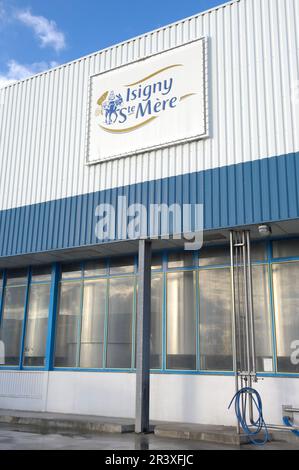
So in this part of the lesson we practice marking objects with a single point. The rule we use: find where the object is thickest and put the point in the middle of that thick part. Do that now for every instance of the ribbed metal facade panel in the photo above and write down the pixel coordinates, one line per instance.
(246, 172)
(253, 68)
(256, 192)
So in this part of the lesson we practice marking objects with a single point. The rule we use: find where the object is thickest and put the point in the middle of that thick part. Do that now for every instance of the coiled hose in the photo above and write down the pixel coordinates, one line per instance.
(241, 399)
(286, 421)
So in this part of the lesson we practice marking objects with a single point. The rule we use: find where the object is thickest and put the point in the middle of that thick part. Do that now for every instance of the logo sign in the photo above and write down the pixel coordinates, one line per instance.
(148, 104)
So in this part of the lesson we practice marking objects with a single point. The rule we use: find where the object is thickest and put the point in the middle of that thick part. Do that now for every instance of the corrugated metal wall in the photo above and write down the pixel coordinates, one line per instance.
(253, 70)
(247, 172)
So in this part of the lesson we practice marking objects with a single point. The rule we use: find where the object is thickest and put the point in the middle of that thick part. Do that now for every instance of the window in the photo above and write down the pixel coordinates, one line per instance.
(156, 321)
(180, 260)
(93, 324)
(156, 261)
(262, 319)
(181, 349)
(119, 347)
(258, 252)
(13, 316)
(286, 249)
(71, 271)
(41, 274)
(215, 320)
(286, 301)
(95, 268)
(191, 310)
(121, 266)
(37, 325)
(85, 298)
(67, 327)
(219, 255)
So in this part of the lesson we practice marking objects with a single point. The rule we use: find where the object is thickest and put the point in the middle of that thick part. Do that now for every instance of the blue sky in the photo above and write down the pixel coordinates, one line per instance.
(38, 34)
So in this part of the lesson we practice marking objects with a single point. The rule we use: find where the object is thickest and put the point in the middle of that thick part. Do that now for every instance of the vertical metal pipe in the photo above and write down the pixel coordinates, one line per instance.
(251, 321)
(251, 308)
(247, 321)
(143, 338)
(234, 324)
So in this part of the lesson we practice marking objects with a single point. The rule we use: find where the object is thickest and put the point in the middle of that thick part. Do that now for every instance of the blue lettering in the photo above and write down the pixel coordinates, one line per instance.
(173, 102)
(123, 116)
(157, 107)
(167, 86)
(142, 109)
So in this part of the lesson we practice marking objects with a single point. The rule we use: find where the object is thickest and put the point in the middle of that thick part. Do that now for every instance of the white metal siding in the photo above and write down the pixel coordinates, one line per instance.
(254, 67)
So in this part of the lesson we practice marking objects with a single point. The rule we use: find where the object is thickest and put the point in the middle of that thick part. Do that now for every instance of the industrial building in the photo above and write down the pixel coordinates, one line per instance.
(203, 113)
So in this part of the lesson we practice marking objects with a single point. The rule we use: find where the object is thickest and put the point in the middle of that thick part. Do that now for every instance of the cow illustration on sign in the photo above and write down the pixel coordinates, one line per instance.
(111, 107)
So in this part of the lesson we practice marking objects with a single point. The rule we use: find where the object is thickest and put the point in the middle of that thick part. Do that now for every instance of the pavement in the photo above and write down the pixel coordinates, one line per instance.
(16, 437)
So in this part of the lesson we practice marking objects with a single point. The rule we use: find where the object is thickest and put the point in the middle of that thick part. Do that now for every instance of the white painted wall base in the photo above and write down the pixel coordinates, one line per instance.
(176, 398)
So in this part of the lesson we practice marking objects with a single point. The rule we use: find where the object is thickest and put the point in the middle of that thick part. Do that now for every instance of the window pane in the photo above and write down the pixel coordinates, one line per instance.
(121, 292)
(286, 249)
(41, 273)
(286, 298)
(71, 271)
(12, 323)
(215, 320)
(156, 320)
(180, 260)
(67, 324)
(258, 252)
(93, 322)
(37, 324)
(214, 256)
(181, 350)
(156, 261)
(121, 265)
(18, 277)
(95, 268)
(262, 319)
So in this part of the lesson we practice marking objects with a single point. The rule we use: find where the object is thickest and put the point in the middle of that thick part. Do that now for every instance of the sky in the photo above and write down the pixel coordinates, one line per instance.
(36, 35)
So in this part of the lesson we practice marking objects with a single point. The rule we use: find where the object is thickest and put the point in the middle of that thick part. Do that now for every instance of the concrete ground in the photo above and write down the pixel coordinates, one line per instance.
(19, 438)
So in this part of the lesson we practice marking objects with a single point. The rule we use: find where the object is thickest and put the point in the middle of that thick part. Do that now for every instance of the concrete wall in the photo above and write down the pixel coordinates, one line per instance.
(181, 398)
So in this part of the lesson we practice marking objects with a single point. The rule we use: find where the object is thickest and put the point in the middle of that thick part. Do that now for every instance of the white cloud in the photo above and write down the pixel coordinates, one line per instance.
(2, 11)
(46, 30)
(17, 71)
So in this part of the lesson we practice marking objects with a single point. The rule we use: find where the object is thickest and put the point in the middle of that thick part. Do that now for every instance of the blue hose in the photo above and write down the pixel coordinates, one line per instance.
(241, 400)
(286, 421)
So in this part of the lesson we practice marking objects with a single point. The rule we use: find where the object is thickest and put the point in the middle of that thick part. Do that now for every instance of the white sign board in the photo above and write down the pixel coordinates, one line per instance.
(148, 104)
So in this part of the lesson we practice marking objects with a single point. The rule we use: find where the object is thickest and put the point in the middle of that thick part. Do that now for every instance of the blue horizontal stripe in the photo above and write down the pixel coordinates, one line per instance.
(249, 193)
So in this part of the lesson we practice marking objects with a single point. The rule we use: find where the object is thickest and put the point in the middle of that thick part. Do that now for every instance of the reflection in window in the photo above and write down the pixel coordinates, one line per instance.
(122, 265)
(258, 252)
(36, 325)
(286, 249)
(41, 273)
(262, 318)
(181, 350)
(71, 271)
(12, 317)
(67, 324)
(215, 320)
(95, 268)
(286, 299)
(156, 261)
(121, 292)
(93, 324)
(156, 321)
(18, 277)
(218, 255)
(180, 260)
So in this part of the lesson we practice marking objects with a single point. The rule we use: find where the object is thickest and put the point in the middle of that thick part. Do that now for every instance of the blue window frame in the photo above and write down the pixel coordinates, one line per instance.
(275, 256)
